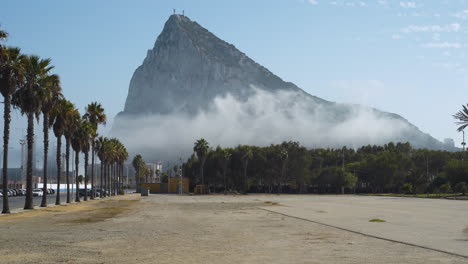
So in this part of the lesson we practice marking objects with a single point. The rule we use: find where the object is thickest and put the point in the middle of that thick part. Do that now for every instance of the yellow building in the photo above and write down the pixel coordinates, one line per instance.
(172, 186)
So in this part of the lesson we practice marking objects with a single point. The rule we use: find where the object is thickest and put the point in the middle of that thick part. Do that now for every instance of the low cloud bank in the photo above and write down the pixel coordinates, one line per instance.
(263, 119)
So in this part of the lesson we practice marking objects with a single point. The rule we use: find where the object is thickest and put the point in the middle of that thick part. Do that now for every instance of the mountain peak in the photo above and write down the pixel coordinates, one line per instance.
(189, 68)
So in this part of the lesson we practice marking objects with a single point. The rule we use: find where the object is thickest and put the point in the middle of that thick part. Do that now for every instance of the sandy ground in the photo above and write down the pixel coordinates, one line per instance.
(223, 229)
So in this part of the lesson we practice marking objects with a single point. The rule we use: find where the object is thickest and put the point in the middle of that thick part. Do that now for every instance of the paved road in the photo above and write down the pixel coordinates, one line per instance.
(17, 202)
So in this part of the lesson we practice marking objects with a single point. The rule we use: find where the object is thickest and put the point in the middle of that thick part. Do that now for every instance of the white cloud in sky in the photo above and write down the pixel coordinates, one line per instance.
(313, 2)
(455, 27)
(443, 45)
(462, 14)
(382, 2)
(396, 36)
(408, 4)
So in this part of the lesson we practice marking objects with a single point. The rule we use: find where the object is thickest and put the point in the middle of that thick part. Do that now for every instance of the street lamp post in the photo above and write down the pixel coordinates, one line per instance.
(22, 143)
(463, 143)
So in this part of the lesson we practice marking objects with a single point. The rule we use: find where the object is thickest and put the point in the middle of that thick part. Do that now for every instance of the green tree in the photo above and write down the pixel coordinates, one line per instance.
(85, 137)
(461, 188)
(72, 120)
(50, 93)
(462, 117)
(201, 148)
(28, 100)
(58, 121)
(96, 116)
(246, 156)
(76, 143)
(99, 148)
(11, 78)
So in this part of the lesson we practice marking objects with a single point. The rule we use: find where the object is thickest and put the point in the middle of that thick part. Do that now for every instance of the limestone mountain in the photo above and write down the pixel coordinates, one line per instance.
(189, 68)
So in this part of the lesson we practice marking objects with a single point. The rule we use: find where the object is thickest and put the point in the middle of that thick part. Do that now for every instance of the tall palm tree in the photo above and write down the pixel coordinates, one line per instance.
(201, 149)
(50, 93)
(27, 99)
(72, 121)
(122, 157)
(247, 155)
(95, 115)
(462, 116)
(87, 129)
(76, 142)
(99, 148)
(58, 121)
(11, 78)
(138, 166)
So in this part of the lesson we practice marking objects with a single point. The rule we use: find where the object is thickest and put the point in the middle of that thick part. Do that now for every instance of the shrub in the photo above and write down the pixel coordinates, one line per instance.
(461, 187)
(408, 188)
(445, 188)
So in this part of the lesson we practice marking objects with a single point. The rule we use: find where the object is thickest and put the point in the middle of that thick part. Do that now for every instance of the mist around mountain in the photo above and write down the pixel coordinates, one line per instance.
(193, 84)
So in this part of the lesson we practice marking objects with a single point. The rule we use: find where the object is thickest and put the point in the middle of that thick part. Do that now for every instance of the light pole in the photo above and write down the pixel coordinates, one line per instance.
(463, 142)
(22, 143)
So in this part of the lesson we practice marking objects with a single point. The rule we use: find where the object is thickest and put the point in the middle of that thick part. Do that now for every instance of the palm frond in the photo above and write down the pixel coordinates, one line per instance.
(462, 117)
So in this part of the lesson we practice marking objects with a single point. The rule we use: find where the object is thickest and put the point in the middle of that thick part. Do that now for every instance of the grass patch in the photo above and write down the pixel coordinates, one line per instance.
(271, 203)
(109, 209)
(377, 220)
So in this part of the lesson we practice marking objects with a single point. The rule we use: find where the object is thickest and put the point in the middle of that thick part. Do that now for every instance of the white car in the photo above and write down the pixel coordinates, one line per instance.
(37, 192)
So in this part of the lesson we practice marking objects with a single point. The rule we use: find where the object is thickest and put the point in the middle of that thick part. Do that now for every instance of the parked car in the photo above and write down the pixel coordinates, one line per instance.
(13, 193)
(37, 192)
(53, 191)
(81, 192)
(19, 192)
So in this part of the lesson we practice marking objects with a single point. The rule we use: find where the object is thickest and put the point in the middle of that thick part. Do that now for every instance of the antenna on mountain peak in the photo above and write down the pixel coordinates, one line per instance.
(183, 12)
(173, 11)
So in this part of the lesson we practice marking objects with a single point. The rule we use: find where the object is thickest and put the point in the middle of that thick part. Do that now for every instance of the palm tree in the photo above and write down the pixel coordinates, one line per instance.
(58, 121)
(27, 99)
(95, 115)
(87, 129)
(50, 94)
(246, 156)
(122, 157)
(201, 149)
(99, 148)
(72, 121)
(462, 116)
(76, 145)
(137, 164)
(11, 77)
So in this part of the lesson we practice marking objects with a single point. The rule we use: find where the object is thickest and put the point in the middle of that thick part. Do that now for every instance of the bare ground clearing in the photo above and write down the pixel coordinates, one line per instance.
(192, 229)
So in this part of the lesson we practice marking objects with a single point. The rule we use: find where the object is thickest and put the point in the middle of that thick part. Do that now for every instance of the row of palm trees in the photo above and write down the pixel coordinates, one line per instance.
(27, 84)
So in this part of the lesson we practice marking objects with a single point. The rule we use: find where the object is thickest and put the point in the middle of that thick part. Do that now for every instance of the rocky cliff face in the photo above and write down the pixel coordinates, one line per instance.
(189, 67)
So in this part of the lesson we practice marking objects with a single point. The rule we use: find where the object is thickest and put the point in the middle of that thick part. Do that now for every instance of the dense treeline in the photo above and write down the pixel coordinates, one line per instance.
(28, 85)
(292, 168)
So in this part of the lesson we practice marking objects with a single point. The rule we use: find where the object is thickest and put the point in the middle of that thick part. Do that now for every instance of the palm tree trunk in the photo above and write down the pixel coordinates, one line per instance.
(77, 160)
(28, 204)
(92, 170)
(113, 179)
(108, 179)
(6, 139)
(59, 168)
(67, 157)
(101, 177)
(201, 173)
(86, 154)
(45, 129)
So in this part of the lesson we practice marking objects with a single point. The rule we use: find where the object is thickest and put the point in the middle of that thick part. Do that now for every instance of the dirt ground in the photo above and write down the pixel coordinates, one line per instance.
(191, 229)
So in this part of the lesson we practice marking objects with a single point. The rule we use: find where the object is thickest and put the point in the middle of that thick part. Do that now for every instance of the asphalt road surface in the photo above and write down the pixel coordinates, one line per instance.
(17, 202)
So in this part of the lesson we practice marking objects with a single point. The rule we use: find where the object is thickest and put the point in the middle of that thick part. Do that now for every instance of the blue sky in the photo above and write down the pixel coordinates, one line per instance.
(406, 57)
